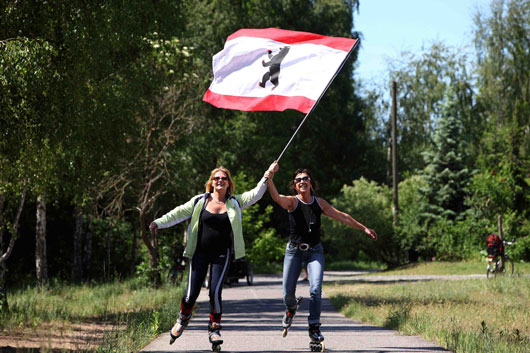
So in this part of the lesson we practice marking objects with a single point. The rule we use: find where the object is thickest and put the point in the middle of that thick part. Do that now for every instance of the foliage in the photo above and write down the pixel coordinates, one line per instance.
(262, 245)
(446, 175)
(101, 111)
(267, 248)
(109, 249)
(370, 204)
(494, 191)
(410, 227)
(502, 47)
(422, 83)
(520, 251)
(454, 241)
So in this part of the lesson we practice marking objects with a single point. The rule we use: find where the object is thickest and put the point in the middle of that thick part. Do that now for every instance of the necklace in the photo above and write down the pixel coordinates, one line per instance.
(217, 201)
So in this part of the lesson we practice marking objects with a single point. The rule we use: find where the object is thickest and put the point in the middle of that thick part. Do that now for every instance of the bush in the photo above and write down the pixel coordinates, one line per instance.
(520, 251)
(370, 204)
(267, 248)
(456, 241)
(411, 230)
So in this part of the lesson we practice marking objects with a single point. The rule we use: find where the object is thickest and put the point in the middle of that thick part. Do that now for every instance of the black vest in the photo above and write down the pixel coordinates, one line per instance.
(304, 222)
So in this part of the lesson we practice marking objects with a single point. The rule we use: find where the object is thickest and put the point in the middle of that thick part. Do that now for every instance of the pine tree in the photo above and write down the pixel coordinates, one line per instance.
(445, 173)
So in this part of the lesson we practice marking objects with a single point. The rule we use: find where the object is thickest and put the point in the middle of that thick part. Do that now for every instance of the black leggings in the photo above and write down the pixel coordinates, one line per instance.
(218, 272)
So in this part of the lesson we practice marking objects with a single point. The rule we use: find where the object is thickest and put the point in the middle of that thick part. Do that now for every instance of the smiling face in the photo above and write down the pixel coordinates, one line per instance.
(302, 183)
(220, 181)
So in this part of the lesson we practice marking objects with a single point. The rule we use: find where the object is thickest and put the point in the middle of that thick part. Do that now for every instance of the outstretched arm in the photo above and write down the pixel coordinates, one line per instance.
(177, 215)
(345, 218)
(286, 202)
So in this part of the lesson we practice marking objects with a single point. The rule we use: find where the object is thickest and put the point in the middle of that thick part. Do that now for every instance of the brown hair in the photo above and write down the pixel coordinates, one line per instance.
(314, 184)
(231, 185)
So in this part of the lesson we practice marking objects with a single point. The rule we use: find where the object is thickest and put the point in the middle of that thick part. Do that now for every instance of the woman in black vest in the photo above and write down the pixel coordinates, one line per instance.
(304, 244)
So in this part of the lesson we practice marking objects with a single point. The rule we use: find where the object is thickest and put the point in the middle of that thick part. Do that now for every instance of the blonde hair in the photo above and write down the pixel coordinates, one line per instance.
(231, 185)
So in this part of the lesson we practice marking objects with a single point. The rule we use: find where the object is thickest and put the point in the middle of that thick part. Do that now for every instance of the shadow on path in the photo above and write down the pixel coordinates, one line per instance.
(252, 323)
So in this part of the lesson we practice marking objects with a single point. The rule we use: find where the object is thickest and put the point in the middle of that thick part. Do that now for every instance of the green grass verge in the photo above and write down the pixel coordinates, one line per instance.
(450, 268)
(352, 266)
(475, 315)
(136, 313)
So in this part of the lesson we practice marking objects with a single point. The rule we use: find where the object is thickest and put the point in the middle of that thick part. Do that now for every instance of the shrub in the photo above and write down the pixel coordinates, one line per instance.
(520, 251)
(267, 248)
(410, 228)
(370, 204)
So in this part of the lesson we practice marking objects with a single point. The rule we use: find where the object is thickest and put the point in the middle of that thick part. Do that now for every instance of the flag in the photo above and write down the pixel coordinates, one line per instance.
(275, 69)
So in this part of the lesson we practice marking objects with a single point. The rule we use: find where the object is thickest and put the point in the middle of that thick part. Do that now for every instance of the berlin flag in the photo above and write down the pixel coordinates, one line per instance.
(275, 69)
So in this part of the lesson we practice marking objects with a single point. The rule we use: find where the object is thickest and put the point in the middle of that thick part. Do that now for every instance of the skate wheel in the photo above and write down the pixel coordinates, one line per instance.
(216, 347)
(284, 332)
(316, 347)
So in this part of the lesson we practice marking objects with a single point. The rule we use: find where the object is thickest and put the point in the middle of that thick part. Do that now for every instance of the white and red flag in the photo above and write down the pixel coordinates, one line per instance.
(275, 69)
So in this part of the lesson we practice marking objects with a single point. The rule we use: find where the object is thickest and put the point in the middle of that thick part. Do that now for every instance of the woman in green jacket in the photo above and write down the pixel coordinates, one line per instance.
(214, 233)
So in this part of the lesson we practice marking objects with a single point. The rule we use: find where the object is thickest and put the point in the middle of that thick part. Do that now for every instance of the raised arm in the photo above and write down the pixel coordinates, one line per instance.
(345, 218)
(286, 202)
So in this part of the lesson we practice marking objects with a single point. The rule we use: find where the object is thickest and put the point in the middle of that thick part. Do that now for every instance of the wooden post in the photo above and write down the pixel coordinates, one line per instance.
(499, 226)
(394, 155)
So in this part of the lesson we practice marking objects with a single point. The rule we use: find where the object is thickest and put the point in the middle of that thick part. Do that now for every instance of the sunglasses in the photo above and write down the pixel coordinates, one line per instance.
(298, 180)
(220, 178)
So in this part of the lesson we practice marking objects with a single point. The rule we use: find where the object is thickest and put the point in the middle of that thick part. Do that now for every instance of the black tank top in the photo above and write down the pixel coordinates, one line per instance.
(215, 235)
(304, 222)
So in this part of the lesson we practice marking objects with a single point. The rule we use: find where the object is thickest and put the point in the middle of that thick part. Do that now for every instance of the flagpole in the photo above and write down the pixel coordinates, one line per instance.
(318, 100)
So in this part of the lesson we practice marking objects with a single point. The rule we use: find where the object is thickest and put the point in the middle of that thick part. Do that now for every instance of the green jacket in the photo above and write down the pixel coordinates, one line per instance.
(193, 209)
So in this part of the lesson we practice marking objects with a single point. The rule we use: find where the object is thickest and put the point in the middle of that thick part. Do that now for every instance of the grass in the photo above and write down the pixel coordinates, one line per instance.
(131, 313)
(472, 315)
(477, 315)
(352, 265)
(449, 268)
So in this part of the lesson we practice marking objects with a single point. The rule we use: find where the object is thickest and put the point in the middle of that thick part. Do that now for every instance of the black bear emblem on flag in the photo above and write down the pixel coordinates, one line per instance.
(274, 64)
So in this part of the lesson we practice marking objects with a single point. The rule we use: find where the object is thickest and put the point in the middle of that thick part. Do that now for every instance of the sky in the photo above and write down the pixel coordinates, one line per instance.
(390, 27)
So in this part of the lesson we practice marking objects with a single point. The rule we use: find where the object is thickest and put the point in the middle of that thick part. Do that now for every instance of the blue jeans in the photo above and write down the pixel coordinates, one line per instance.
(292, 266)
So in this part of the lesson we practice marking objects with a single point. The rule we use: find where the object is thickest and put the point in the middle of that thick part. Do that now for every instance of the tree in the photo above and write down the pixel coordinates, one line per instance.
(445, 174)
(422, 82)
(78, 111)
(143, 175)
(502, 47)
(27, 134)
(12, 227)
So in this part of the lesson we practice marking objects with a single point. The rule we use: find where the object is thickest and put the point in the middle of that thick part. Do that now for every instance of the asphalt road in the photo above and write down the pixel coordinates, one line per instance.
(252, 323)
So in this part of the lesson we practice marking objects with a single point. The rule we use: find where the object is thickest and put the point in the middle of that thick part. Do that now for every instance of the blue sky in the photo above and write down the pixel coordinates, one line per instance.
(390, 27)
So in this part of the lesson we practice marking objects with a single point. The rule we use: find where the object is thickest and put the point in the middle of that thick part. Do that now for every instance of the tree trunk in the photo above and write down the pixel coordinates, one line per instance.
(77, 269)
(40, 243)
(133, 254)
(5, 255)
(499, 226)
(151, 240)
(87, 253)
(106, 263)
(4, 307)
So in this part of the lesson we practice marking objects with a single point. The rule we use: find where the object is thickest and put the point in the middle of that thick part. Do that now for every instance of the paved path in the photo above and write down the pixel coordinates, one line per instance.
(252, 323)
